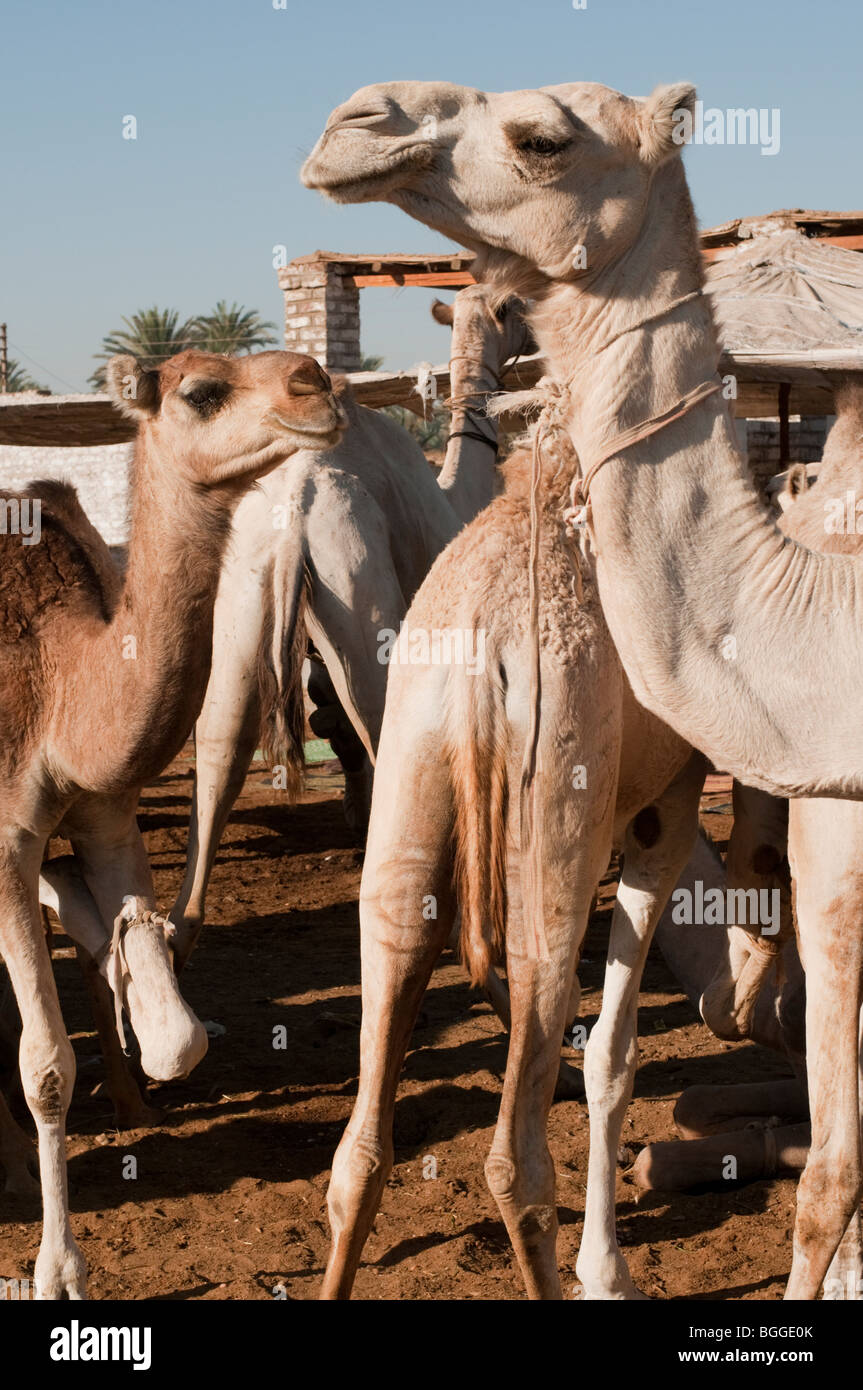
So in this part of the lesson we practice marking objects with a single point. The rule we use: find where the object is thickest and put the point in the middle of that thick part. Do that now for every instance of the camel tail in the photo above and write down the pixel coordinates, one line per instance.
(280, 671)
(478, 761)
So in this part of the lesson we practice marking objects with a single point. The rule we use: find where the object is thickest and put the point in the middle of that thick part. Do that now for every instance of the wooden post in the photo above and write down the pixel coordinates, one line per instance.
(784, 432)
(4, 359)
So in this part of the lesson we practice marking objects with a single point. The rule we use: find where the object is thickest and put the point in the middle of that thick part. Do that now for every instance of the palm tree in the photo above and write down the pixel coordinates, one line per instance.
(431, 432)
(151, 336)
(232, 329)
(19, 379)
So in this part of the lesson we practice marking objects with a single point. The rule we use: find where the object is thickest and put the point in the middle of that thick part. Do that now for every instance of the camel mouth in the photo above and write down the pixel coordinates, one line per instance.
(326, 434)
(368, 186)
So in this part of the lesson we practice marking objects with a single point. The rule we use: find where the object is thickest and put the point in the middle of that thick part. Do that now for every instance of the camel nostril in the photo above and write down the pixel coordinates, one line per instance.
(307, 379)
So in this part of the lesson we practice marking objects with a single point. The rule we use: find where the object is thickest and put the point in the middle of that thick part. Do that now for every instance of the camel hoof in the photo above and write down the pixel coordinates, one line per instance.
(570, 1082)
(60, 1276)
(139, 1116)
(634, 1295)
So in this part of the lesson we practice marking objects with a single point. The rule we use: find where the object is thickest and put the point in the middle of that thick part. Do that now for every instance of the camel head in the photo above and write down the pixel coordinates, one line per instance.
(527, 179)
(228, 420)
(139, 968)
(484, 327)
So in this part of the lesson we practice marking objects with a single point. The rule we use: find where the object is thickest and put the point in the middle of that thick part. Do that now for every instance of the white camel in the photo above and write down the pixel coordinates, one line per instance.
(333, 547)
(746, 644)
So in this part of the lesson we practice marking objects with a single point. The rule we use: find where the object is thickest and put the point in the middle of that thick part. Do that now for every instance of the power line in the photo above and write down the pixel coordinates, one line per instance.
(33, 363)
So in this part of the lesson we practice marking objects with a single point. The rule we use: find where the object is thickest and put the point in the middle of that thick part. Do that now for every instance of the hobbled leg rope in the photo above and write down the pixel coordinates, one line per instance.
(129, 914)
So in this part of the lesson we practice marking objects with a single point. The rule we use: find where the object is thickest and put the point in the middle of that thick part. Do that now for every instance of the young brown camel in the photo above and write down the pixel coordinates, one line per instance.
(333, 546)
(452, 744)
(102, 683)
(746, 644)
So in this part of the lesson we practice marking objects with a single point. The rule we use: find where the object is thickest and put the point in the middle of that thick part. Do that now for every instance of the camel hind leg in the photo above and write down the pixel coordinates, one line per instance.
(407, 908)
(575, 830)
(823, 836)
(659, 841)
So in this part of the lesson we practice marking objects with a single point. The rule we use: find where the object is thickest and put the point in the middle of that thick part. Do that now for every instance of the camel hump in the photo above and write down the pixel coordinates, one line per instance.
(52, 559)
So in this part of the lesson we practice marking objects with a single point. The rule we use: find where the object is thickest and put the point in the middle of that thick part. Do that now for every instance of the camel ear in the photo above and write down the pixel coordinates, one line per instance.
(442, 313)
(666, 121)
(798, 480)
(134, 390)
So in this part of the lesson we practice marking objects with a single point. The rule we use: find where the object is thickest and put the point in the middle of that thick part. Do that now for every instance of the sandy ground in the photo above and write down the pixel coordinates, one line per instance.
(229, 1198)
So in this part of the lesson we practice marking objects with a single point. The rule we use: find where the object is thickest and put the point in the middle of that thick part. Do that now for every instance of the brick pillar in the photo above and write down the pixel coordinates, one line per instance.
(322, 313)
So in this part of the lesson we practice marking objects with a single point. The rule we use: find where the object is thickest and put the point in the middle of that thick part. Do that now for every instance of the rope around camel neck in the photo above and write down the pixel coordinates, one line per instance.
(578, 516)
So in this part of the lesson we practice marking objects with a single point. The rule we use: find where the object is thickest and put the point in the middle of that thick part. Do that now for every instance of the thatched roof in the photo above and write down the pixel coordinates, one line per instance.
(789, 308)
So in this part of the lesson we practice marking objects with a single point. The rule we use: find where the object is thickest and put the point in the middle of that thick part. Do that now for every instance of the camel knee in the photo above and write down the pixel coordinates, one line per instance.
(827, 1196)
(48, 1080)
(695, 1109)
(500, 1177)
(521, 1182)
(406, 915)
(608, 1077)
(361, 1167)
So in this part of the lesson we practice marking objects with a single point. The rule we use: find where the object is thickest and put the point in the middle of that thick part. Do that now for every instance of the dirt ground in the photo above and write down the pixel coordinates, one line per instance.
(229, 1198)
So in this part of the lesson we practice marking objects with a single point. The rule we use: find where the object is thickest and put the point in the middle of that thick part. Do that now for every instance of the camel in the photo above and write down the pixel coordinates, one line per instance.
(101, 681)
(825, 836)
(745, 643)
(484, 338)
(334, 545)
(575, 197)
(444, 829)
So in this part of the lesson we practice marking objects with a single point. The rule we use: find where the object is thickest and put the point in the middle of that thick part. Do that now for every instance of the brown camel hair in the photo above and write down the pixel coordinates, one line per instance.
(102, 681)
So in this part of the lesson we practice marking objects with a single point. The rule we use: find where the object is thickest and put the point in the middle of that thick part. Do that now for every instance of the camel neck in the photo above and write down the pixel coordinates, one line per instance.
(469, 468)
(154, 656)
(724, 627)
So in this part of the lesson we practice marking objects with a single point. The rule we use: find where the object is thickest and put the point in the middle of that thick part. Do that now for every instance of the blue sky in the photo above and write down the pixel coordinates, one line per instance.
(229, 96)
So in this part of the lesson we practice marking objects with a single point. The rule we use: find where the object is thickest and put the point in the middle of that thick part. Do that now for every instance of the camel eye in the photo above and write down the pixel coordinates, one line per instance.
(542, 145)
(207, 397)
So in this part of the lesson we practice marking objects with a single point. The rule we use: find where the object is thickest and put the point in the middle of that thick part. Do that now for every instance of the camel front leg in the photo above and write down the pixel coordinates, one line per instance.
(658, 843)
(47, 1064)
(542, 984)
(823, 838)
(757, 862)
(112, 858)
(62, 888)
(406, 912)
(844, 1280)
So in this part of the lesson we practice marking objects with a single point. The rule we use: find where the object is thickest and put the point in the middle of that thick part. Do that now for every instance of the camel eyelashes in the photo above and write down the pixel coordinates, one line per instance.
(542, 145)
(207, 397)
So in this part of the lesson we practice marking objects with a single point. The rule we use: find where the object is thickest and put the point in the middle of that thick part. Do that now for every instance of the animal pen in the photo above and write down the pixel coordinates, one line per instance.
(787, 291)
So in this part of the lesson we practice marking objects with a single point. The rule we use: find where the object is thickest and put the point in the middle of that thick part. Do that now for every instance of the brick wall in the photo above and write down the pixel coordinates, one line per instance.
(322, 315)
(99, 473)
(806, 435)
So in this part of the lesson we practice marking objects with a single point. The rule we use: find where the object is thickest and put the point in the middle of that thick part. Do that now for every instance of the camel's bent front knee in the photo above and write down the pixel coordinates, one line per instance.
(48, 1083)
